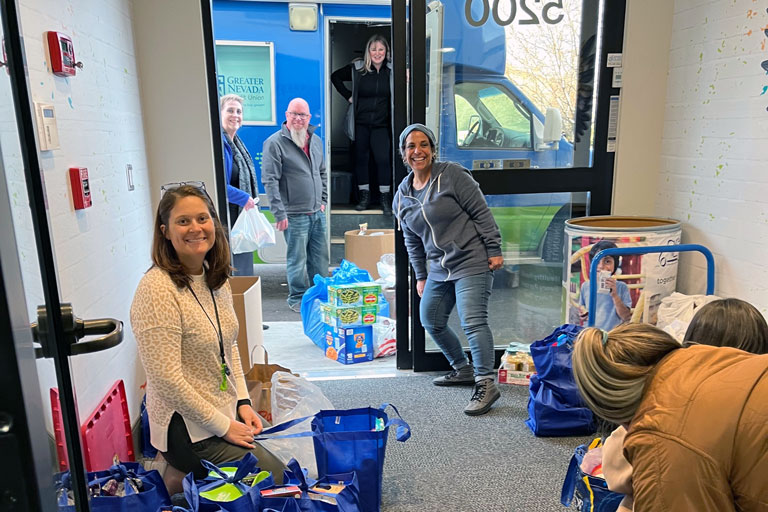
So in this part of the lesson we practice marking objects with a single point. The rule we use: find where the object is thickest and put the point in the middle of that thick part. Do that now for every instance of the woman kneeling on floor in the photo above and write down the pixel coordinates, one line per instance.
(696, 416)
(186, 330)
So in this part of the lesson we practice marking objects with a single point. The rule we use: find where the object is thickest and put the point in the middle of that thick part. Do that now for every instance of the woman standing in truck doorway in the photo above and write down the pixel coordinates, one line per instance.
(454, 246)
(369, 125)
(239, 173)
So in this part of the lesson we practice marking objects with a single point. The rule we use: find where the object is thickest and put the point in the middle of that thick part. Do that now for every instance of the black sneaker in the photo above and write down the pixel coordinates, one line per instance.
(463, 377)
(483, 397)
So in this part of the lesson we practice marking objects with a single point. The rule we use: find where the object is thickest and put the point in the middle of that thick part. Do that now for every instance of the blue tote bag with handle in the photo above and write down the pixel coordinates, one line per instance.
(588, 493)
(227, 481)
(151, 496)
(193, 500)
(331, 493)
(352, 440)
(555, 407)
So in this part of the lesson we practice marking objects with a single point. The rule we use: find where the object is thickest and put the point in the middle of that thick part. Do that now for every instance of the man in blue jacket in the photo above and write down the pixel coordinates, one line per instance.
(294, 178)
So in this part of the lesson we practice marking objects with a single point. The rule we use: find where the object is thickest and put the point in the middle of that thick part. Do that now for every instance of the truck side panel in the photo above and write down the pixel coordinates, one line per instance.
(299, 56)
(298, 62)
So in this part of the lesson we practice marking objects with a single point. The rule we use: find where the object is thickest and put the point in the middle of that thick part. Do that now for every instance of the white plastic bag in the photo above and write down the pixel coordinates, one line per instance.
(386, 268)
(676, 312)
(384, 337)
(251, 231)
(295, 397)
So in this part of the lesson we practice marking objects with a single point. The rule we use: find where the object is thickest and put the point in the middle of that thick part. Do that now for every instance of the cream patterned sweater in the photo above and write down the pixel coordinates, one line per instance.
(179, 349)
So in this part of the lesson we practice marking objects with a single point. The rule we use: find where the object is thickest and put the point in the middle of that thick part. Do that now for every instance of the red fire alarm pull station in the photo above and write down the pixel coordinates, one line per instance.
(81, 192)
(61, 54)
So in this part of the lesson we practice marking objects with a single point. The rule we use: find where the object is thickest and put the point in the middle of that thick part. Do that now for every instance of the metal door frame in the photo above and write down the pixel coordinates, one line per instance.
(597, 179)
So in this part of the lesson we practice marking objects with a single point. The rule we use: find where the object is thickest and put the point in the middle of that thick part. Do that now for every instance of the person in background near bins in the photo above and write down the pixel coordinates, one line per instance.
(454, 246)
(696, 417)
(294, 177)
(371, 97)
(239, 173)
(720, 323)
(613, 306)
(186, 331)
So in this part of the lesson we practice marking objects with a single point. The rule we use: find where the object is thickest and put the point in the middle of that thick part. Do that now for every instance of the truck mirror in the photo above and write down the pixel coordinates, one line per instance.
(553, 128)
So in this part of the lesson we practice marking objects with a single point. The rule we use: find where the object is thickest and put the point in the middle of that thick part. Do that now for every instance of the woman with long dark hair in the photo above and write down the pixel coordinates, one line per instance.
(186, 331)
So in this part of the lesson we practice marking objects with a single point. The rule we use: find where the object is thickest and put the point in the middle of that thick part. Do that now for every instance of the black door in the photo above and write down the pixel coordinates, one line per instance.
(35, 323)
(509, 89)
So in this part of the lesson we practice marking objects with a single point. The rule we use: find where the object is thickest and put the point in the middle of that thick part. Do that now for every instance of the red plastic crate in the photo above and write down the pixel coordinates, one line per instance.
(58, 430)
(105, 434)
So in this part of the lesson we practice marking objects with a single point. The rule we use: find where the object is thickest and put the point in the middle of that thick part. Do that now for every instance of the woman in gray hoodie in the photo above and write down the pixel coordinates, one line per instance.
(454, 246)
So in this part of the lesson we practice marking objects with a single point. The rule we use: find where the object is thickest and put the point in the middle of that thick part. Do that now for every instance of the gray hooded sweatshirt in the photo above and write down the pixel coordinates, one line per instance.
(452, 233)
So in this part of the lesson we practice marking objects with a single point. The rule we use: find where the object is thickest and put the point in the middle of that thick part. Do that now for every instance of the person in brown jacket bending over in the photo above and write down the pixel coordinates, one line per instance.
(696, 416)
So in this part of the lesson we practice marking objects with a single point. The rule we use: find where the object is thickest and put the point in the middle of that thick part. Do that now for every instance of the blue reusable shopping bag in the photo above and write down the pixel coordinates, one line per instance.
(352, 440)
(250, 499)
(193, 500)
(555, 407)
(147, 449)
(311, 316)
(153, 495)
(347, 500)
(588, 493)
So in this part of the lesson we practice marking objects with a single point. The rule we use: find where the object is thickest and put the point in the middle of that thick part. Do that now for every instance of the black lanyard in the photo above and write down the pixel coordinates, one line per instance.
(224, 367)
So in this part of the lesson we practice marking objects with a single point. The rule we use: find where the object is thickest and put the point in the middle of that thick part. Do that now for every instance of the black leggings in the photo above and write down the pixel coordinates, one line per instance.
(372, 139)
(185, 455)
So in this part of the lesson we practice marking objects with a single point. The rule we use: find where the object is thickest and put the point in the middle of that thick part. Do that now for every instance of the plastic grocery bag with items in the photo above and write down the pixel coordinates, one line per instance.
(294, 397)
(251, 232)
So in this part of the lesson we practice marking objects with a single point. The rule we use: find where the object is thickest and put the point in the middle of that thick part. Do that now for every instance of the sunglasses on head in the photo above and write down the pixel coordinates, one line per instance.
(176, 184)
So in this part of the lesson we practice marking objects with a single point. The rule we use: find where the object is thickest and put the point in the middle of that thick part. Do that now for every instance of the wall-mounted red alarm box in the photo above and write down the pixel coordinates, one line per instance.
(61, 54)
(81, 192)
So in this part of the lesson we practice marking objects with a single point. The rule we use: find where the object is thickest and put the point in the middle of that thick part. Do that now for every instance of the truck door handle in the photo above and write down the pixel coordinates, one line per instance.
(75, 329)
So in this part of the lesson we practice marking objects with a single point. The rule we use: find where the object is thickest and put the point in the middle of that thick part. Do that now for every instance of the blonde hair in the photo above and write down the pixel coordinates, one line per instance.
(230, 97)
(612, 369)
(367, 63)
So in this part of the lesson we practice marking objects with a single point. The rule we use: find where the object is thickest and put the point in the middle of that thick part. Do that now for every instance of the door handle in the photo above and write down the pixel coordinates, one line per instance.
(74, 330)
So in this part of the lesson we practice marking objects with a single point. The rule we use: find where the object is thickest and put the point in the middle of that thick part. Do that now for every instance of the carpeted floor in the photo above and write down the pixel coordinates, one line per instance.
(454, 462)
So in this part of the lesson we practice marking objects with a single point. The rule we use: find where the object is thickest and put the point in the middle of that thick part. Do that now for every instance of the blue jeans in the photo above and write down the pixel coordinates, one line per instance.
(243, 264)
(307, 253)
(470, 295)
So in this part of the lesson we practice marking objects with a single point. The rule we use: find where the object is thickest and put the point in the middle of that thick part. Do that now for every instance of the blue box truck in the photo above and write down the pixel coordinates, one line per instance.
(482, 119)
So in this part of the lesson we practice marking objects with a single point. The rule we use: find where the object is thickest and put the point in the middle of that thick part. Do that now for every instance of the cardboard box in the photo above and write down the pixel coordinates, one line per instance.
(354, 294)
(515, 377)
(246, 298)
(349, 345)
(349, 316)
(365, 251)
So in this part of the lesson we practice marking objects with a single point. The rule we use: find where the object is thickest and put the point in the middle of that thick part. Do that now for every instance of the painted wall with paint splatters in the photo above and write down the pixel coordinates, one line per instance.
(715, 144)
(101, 252)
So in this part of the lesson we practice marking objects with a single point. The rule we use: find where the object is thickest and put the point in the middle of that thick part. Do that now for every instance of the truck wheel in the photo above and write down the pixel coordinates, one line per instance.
(554, 238)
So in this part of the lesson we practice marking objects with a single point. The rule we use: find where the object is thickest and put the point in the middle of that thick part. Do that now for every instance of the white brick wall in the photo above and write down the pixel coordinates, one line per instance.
(101, 252)
(715, 144)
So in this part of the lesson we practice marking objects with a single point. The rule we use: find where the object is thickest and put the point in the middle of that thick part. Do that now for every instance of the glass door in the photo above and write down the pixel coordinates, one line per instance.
(41, 332)
(512, 91)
